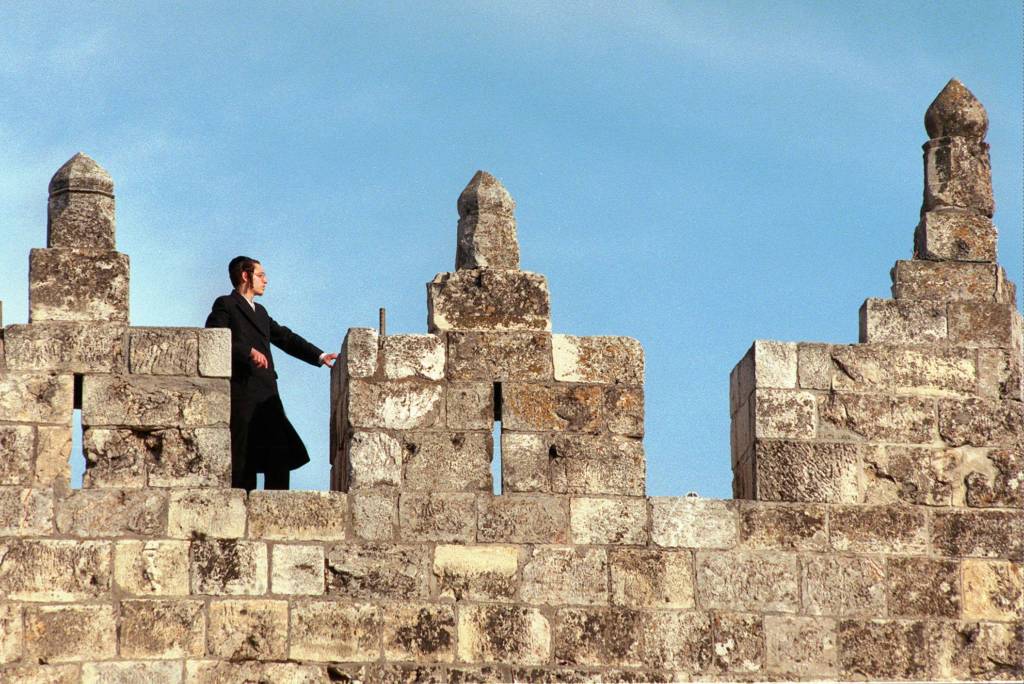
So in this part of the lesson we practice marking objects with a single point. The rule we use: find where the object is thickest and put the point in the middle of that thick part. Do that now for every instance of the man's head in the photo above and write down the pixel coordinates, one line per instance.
(247, 275)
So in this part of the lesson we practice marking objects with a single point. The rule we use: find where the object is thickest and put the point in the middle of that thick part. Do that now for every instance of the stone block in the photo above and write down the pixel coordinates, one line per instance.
(12, 633)
(420, 633)
(61, 634)
(608, 521)
(488, 299)
(957, 174)
(951, 235)
(980, 534)
(117, 458)
(378, 572)
(297, 570)
(524, 637)
(80, 220)
(612, 360)
(18, 446)
(374, 458)
(25, 512)
(993, 590)
(447, 461)
(999, 374)
(800, 647)
(487, 225)
(200, 513)
(132, 672)
(526, 462)
(151, 567)
(113, 513)
(843, 586)
(783, 414)
(597, 464)
(624, 409)
(768, 527)
(900, 369)
(680, 641)
(916, 475)
(159, 628)
(806, 471)
(413, 356)
(923, 587)
(979, 651)
(814, 366)
(535, 407)
(470, 405)
(476, 572)
(397, 404)
(36, 398)
(904, 321)
(980, 422)
(983, 324)
(42, 674)
(499, 357)
(326, 631)
(878, 529)
(77, 285)
(248, 629)
(748, 581)
(221, 671)
(374, 514)
(163, 351)
(53, 455)
(767, 364)
(648, 578)
(358, 357)
(994, 478)
(297, 516)
(950, 281)
(564, 575)
(441, 517)
(877, 417)
(214, 352)
(693, 522)
(228, 567)
(152, 401)
(884, 649)
(196, 457)
(738, 642)
(523, 519)
(66, 347)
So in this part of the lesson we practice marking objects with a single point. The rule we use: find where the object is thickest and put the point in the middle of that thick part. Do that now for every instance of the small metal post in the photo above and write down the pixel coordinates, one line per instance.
(383, 321)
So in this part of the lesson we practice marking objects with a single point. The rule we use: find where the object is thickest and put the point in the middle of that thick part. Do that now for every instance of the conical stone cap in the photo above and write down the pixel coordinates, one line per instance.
(485, 194)
(956, 112)
(81, 173)
(487, 226)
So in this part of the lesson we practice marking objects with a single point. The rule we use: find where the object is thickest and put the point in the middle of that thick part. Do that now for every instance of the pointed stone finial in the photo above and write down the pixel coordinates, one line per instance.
(487, 225)
(80, 211)
(956, 112)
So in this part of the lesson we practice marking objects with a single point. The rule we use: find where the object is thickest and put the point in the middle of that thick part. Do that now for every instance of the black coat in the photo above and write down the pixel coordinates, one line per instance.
(261, 435)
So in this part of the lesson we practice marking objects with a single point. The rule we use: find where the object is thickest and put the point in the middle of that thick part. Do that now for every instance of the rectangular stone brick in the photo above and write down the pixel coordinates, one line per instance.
(413, 356)
(693, 522)
(980, 422)
(113, 513)
(826, 472)
(525, 636)
(499, 357)
(358, 357)
(999, 374)
(61, 634)
(597, 464)
(800, 647)
(984, 534)
(992, 478)
(738, 642)
(228, 567)
(611, 360)
(782, 414)
(36, 398)
(898, 369)
(12, 633)
(476, 572)
(200, 513)
(422, 633)
(163, 351)
(975, 651)
(565, 575)
(447, 461)
(190, 457)
(536, 407)
(374, 514)
(843, 586)
(993, 590)
(297, 569)
(951, 235)
(371, 459)
(523, 519)
(151, 401)
(983, 324)
(132, 672)
(18, 446)
(608, 521)
(917, 475)
(767, 364)
(25, 512)
(648, 578)
(66, 347)
(957, 174)
(923, 587)
(748, 581)
(214, 352)
(877, 417)
(53, 455)
(950, 281)
(378, 571)
(78, 219)
(159, 628)
(297, 516)
(443, 517)
(152, 567)
(878, 529)
(884, 649)
(328, 632)
(797, 527)
(488, 299)
(220, 671)
(77, 285)
(904, 321)
(395, 404)
(470, 406)
(41, 674)
(814, 366)
(248, 629)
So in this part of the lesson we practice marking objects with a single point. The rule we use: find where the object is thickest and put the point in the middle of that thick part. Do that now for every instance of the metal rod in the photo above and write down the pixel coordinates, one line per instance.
(383, 321)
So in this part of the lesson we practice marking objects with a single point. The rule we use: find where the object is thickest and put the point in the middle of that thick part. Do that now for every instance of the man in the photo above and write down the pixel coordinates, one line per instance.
(262, 438)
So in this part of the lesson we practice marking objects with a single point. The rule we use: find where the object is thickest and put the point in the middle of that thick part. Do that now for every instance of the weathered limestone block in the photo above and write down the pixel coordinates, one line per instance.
(66, 346)
(374, 458)
(748, 581)
(899, 369)
(80, 209)
(413, 356)
(297, 569)
(576, 674)
(498, 357)
(884, 649)
(442, 517)
(61, 634)
(980, 422)
(487, 225)
(447, 461)
(220, 671)
(132, 672)
(248, 629)
(380, 571)
(589, 464)
(193, 457)
(738, 642)
(767, 364)
(693, 522)
(36, 398)
(1000, 374)
(535, 407)
(807, 471)
(470, 406)
(214, 352)
(117, 458)
(558, 576)
(800, 647)
(374, 514)
(526, 462)
(979, 651)
(995, 479)
(524, 637)
(923, 587)
(329, 631)
(917, 475)
(904, 321)
(25, 512)
(113, 513)
(624, 409)
(523, 519)
(488, 299)
(613, 360)
(476, 572)
(953, 235)
(200, 513)
(18, 446)
(648, 578)
(228, 567)
(678, 640)
(814, 366)
(53, 455)
(993, 590)
(420, 633)
(843, 586)
(12, 633)
(958, 174)
(956, 112)
(42, 674)
(950, 281)
(878, 529)
(783, 414)
(150, 401)
(768, 527)
(358, 357)
(986, 534)
(608, 521)
(151, 568)
(297, 516)
(163, 351)
(877, 417)
(77, 285)
(984, 324)
(398, 404)
(160, 628)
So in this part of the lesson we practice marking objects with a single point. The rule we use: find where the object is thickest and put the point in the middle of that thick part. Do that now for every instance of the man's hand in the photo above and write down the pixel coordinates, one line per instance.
(258, 359)
(328, 360)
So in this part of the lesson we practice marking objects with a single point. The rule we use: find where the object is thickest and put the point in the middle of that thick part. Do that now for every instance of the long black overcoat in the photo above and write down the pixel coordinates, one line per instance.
(262, 437)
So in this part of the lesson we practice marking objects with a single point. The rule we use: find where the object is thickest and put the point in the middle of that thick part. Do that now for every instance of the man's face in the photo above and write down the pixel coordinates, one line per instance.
(259, 280)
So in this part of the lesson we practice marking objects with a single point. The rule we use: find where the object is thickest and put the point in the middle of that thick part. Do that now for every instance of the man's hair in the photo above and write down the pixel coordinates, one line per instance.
(240, 265)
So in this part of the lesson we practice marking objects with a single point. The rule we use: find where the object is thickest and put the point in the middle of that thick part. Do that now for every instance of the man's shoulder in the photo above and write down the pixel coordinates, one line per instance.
(224, 300)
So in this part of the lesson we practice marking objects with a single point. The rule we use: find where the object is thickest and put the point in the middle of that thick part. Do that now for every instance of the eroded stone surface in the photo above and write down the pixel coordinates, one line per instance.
(398, 405)
(487, 225)
(152, 401)
(986, 534)
(152, 568)
(113, 513)
(923, 587)
(901, 321)
(228, 567)
(379, 571)
(476, 572)
(503, 634)
(447, 461)
(162, 628)
(194, 457)
(77, 285)
(993, 590)
(295, 516)
(488, 299)
(163, 351)
(752, 581)
(616, 360)
(297, 569)
(693, 522)
(958, 174)
(791, 527)
(523, 519)
(249, 629)
(25, 511)
(807, 471)
(645, 578)
(18, 445)
(214, 352)
(801, 647)
(443, 517)
(331, 632)
(884, 649)
(206, 513)
(918, 475)
(840, 586)
(60, 634)
(950, 235)
(413, 356)
(420, 633)
(66, 347)
(36, 397)
(878, 529)
(608, 521)
(559, 576)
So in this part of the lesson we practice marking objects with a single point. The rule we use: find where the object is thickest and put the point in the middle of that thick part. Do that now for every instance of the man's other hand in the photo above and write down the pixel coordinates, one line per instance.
(328, 360)
(258, 359)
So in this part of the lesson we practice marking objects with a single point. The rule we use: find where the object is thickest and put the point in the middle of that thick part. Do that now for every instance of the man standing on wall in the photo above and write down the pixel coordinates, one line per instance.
(262, 438)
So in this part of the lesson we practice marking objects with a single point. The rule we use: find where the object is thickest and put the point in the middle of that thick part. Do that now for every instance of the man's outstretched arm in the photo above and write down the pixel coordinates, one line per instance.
(295, 345)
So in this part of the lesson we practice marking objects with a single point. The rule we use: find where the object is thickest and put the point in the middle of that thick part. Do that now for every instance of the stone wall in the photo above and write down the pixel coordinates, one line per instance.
(877, 533)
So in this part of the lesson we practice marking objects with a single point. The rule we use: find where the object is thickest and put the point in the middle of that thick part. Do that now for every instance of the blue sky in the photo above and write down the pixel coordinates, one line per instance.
(696, 175)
